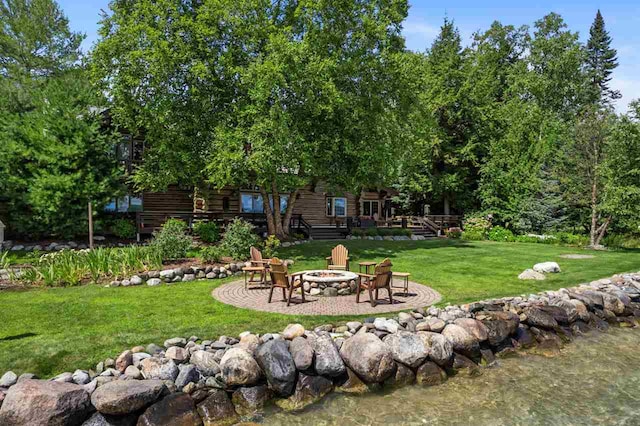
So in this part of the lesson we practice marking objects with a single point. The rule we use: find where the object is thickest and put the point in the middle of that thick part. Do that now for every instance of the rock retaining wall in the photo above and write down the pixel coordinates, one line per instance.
(231, 379)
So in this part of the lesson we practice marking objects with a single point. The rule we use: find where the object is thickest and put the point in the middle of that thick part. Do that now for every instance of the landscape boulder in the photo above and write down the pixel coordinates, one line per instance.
(239, 368)
(536, 317)
(302, 353)
(368, 357)
(473, 327)
(40, 402)
(327, 360)
(277, 363)
(439, 348)
(249, 400)
(500, 325)
(121, 397)
(205, 362)
(547, 267)
(159, 368)
(177, 409)
(407, 348)
(309, 389)
(461, 340)
(217, 409)
(430, 374)
(530, 274)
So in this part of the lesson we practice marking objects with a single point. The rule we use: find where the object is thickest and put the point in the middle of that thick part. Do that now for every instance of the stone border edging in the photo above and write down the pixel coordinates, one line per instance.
(231, 379)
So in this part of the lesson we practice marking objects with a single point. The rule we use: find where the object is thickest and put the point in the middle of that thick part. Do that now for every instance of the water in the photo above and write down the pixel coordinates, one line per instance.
(594, 381)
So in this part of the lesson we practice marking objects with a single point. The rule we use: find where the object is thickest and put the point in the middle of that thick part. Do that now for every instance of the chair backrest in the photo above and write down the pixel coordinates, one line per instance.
(339, 255)
(279, 273)
(256, 255)
(383, 273)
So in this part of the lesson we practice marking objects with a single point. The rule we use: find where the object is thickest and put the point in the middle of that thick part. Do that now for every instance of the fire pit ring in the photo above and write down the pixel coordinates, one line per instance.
(329, 282)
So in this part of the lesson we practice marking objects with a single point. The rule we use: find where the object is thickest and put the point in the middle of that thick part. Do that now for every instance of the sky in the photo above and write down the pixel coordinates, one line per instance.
(622, 19)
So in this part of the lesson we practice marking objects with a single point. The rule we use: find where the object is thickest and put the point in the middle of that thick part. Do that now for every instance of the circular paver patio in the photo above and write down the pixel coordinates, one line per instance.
(235, 294)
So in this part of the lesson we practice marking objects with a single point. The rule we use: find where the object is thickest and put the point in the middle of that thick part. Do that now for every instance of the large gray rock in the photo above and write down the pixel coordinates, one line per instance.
(327, 361)
(81, 377)
(277, 363)
(39, 402)
(461, 340)
(292, 331)
(569, 308)
(403, 376)
(439, 348)
(250, 400)
(121, 397)
(539, 318)
(530, 274)
(309, 389)
(239, 368)
(302, 353)
(176, 341)
(500, 325)
(159, 368)
(188, 374)
(177, 354)
(473, 327)
(8, 379)
(177, 409)
(547, 267)
(407, 348)
(368, 357)
(217, 409)
(205, 362)
(124, 360)
(99, 419)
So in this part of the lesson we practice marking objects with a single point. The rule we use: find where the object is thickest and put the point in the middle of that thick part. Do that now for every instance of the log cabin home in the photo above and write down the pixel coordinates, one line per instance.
(318, 212)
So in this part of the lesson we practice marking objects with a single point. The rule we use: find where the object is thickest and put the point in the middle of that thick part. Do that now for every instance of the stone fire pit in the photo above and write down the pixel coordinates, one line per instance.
(329, 283)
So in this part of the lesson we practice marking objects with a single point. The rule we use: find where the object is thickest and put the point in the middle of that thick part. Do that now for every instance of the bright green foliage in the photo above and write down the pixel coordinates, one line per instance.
(238, 238)
(209, 232)
(212, 254)
(274, 94)
(123, 228)
(54, 157)
(271, 245)
(172, 241)
(476, 228)
(601, 61)
(75, 267)
(498, 233)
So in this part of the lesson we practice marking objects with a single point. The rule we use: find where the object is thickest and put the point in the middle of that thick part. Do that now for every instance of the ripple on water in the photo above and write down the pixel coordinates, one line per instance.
(594, 381)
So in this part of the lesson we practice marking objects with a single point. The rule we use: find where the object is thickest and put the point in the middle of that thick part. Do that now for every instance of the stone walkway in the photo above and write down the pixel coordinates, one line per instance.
(235, 294)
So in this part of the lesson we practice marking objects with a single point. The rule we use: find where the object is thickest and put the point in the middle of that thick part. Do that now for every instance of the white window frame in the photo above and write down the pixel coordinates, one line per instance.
(332, 200)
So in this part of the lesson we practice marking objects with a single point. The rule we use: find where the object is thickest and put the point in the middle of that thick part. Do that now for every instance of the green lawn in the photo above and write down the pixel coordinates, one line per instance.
(48, 331)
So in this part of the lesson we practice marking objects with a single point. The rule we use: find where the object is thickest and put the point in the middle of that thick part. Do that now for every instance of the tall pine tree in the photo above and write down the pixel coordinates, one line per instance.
(601, 61)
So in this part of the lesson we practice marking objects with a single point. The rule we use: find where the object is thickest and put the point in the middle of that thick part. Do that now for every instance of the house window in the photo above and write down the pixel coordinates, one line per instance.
(370, 207)
(336, 206)
(127, 203)
(252, 203)
(226, 205)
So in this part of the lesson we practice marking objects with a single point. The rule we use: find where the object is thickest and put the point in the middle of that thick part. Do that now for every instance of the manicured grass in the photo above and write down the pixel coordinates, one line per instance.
(48, 331)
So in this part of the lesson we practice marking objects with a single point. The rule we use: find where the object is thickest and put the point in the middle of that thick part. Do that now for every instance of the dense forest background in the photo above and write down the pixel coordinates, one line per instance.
(517, 127)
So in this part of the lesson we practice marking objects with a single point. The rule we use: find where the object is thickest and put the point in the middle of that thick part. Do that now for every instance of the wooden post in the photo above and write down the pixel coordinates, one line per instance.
(90, 226)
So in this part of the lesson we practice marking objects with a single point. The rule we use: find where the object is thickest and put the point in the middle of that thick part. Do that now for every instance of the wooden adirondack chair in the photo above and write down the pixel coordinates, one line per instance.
(281, 278)
(381, 278)
(258, 266)
(339, 258)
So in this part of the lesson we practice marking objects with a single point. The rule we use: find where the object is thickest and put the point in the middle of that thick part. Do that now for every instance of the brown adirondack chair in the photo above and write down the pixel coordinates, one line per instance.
(258, 266)
(339, 258)
(381, 278)
(280, 278)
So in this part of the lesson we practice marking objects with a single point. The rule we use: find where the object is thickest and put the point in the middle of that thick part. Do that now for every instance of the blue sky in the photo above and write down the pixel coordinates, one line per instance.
(622, 18)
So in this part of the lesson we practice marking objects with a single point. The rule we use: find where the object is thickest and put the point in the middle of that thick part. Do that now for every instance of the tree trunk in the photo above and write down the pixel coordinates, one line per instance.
(271, 227)
(277, 217)
(602, 230)
(289, 212)
(594, 213)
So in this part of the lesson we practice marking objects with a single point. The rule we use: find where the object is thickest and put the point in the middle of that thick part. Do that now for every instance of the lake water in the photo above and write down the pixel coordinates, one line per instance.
(594, 381)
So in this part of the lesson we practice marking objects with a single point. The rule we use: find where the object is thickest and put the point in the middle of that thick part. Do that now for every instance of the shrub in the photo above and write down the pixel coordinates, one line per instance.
(211, 254)
(358, 232)
(207, 231)
(172, 242)
(454, 233)
(270, 247)
(123, 228)
(238, 239)
(476, 228)
(622, 241)
(572, 239)
(527, 239)
(498, 233)
(371, 232)
(474, 235)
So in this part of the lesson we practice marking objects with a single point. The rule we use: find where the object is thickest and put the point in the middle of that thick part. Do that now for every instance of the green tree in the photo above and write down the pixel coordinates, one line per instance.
(275, 94)
(53, 155)
(600, 63)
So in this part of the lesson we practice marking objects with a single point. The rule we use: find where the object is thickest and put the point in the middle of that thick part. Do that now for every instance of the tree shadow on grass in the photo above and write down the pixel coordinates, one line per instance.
(17, 337)
(368, 249)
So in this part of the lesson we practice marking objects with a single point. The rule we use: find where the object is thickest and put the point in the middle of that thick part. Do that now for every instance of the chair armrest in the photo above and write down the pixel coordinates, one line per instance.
(261, 261)
(360, 274)
(328, 258)
(295, 274)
